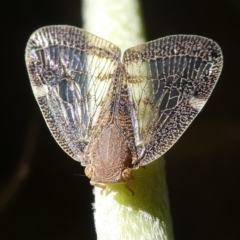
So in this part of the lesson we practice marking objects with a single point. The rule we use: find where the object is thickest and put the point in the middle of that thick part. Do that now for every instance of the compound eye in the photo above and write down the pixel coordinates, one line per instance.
(89, 171)
(127, 175)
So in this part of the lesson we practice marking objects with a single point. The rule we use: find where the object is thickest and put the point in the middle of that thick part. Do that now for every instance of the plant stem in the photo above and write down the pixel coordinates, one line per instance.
(118, 214)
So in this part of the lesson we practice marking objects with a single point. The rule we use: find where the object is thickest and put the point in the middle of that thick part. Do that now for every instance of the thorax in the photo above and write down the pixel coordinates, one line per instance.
(108, 155)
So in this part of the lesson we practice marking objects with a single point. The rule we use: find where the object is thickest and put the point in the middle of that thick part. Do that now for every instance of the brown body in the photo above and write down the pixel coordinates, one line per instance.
(109, 158)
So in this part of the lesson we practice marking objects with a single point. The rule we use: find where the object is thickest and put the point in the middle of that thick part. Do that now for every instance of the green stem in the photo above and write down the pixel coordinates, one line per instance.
(118, 214)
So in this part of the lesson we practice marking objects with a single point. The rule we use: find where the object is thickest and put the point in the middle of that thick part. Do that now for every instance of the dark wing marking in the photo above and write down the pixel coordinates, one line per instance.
(72, 75)
(169, 81)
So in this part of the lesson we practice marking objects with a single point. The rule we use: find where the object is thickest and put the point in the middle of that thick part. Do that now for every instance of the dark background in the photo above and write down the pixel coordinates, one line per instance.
(43, 194)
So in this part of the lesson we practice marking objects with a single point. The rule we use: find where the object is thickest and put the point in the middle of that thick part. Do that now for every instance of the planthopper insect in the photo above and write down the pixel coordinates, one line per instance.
(111, 114)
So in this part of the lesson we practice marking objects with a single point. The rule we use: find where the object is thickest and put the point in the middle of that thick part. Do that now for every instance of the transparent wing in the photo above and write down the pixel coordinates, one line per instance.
(169, 80)
(72, 77)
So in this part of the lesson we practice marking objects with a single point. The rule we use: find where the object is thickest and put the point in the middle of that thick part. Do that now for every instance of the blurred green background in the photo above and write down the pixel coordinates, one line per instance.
(45, 195)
